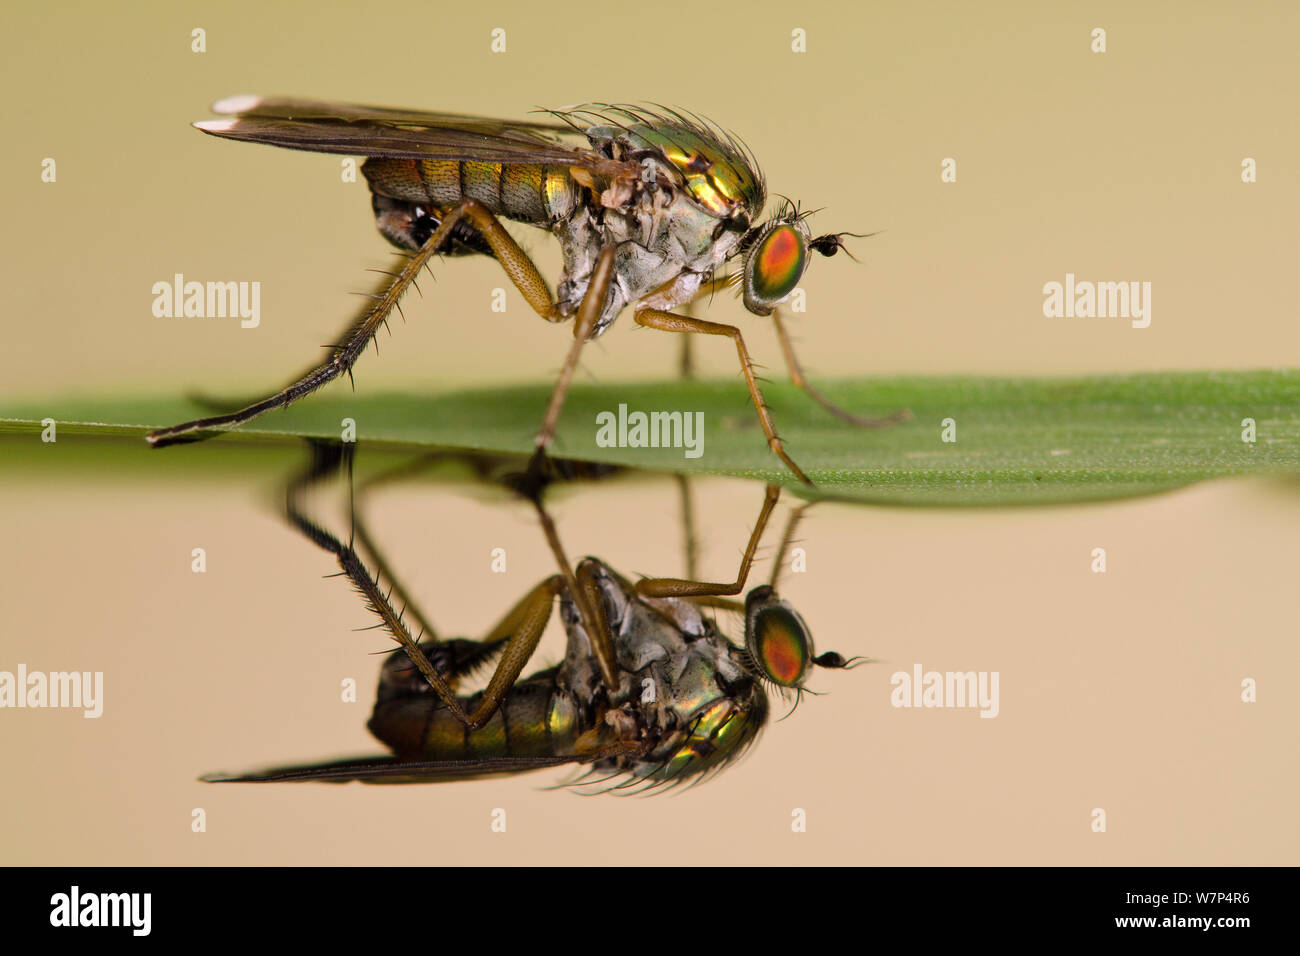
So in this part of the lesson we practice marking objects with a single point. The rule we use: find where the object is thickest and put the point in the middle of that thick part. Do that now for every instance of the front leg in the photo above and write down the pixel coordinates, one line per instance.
(671, 322)
(679, 587)
(800, 380)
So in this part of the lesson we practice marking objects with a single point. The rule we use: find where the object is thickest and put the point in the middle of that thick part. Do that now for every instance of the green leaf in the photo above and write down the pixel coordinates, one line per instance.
(1018, 441)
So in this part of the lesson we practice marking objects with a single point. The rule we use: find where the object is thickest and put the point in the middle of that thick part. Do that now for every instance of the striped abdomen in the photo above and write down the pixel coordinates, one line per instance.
(525, 192)
(535, 719)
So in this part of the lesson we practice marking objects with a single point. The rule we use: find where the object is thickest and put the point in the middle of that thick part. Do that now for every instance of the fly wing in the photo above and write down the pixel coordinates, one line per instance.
(393, 770)
(286, 107)
(354, 130)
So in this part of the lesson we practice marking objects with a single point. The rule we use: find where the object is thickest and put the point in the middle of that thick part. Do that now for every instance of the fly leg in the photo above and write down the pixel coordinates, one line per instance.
(686, 357)
(787, 539)
(518, 266)
(671, 322)
(690, 541)
(586, 597)
(328, 457)
(352, 566)
(679, 587)
(383, 570)
(519, 630)
(589, 312)
(686, 368)
(798, 378)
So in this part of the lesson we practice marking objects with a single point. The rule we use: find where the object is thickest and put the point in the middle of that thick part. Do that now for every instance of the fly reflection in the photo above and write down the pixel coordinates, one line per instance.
(650, 693)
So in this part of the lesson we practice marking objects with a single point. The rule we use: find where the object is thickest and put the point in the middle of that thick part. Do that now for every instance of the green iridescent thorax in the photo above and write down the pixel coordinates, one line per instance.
(716, 175)
(719, 731)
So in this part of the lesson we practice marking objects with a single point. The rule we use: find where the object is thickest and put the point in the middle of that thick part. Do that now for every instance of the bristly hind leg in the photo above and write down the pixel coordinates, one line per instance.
(326, 459)
(672, 322)
(518, 266)
(384, 571)
(798, 378)
(519, 630)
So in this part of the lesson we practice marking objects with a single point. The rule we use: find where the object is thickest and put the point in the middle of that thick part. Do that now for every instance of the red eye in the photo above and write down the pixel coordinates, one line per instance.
(780, 644)
(777, 263)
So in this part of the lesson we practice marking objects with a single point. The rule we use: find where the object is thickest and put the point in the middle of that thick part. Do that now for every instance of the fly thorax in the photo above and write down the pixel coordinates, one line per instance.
(665, 245)
(698, 708)
(580, 239)
(579, 671)
(674, 664)
(684, 693)
(662, 236)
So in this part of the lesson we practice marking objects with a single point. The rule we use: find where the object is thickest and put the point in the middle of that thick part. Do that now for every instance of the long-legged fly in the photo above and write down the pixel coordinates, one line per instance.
(650, 693)
(653, 209)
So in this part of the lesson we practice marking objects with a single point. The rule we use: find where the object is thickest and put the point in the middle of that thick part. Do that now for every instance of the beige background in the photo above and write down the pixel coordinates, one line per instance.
(1118, 691)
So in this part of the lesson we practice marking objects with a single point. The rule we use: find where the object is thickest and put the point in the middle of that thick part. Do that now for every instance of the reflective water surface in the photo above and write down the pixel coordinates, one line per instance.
(1120, 691)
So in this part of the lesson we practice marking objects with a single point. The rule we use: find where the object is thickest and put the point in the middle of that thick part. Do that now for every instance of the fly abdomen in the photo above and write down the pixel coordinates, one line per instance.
(535, 719)
(525, 192)
(409, 225)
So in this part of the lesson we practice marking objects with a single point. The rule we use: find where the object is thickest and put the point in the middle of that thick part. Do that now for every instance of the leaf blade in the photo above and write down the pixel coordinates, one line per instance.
(1018, 441)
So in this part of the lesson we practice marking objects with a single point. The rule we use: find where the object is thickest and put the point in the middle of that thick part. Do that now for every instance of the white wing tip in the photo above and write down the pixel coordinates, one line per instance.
(216, 126)
(237, 104)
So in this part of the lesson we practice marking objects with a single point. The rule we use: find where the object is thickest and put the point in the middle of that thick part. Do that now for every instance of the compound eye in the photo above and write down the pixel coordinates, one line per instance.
(775, 265)
(780, 644)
